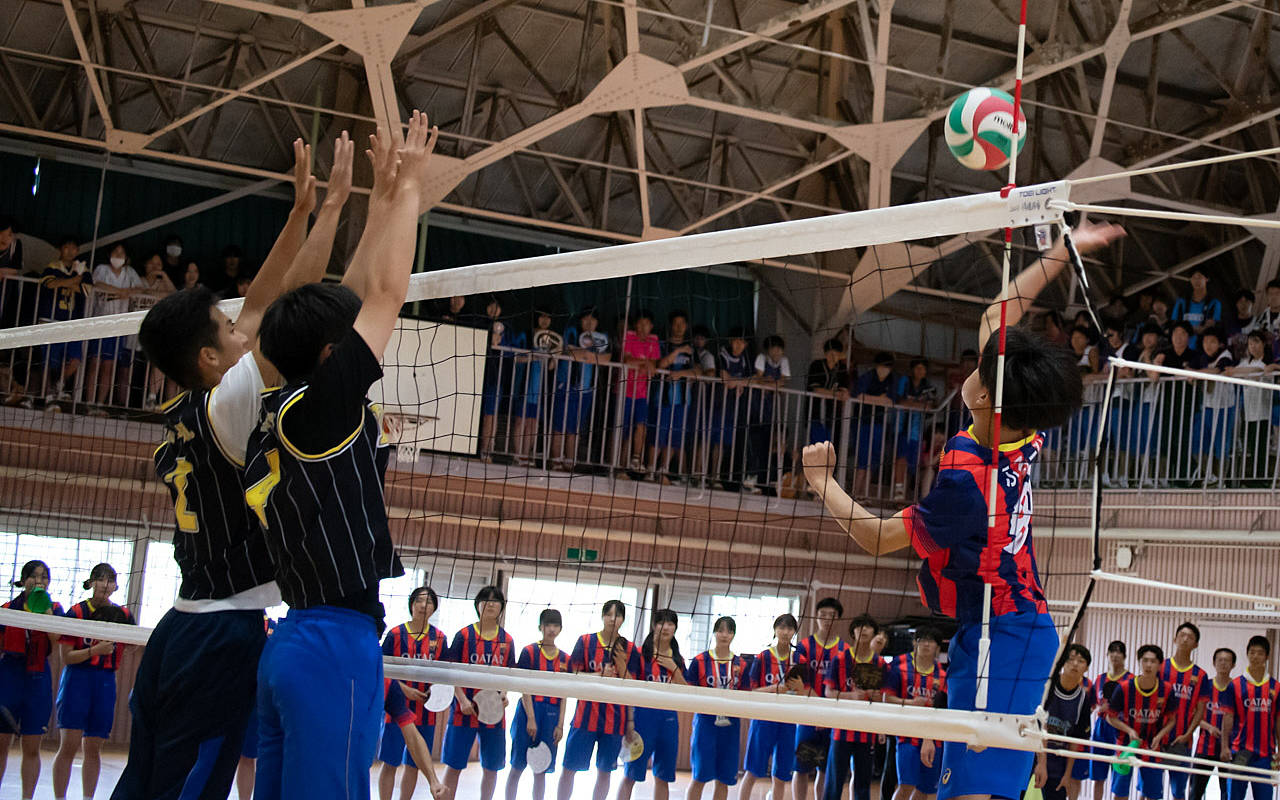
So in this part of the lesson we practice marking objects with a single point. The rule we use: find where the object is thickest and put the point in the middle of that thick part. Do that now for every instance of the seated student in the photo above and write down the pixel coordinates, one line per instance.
(1219, 714)
(781, 669)
(715, 745)
(857, 674)
(482, 642)
(1142, 710)
(538, 720)
(819, 649)
(396, 707)
(1190, 686)
(417, 638)
(26, 683)
(87, 688)
(599, 726)
(1068, 706)
(1255, 728)
(916, 679)
(660, 662)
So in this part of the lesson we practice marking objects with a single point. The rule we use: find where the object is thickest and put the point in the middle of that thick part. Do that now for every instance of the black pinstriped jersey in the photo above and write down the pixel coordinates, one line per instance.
(217, 543)
(324, 513)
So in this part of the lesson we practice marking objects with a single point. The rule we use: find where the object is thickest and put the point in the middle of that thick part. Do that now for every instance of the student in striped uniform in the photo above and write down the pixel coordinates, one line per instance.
(202, 658)
(1068, 706)
(538, 719)
(856, 674)
(314, 479)
(1219, 713)
(396, 708)
(417, 638)
(1190, 686)
(916, 679)
(660, 662)
(599, 726)
(716, 742)
(483, 642)
(1104, 685)
(1256, 724)
(1142, 709)
(87, 688)
(965, 550)
(26, 682)
(818, 649)
(781, 669)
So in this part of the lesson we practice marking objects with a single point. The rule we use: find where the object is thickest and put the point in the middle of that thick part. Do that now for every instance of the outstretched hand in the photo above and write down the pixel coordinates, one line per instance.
(415, 153)
(340, 176)
(304, 183)
(385, 162)
(1090, 237)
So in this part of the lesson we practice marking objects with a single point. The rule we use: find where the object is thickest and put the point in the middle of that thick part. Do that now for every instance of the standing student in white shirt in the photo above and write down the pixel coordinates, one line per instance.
(111, 359)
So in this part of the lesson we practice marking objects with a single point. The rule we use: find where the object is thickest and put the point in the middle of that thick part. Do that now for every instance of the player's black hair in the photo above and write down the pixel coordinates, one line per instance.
(29, 568)
(1117, 647)
(1151, 648)
(830, 602)
(617, 606)
(550, 616)
(786, 621)
(678, 313)
(884, 357)
(773, 340)
(175, 330)
(1247, 294)
(1042, 384)
(1259, 641)
(928, 633)
(833, 346)
(1226, 650)
(298, 325)
(660, 616)
(1184, 326)
(418, 592)
(727, 622)
(1079, 649)
(99, 571)
(1191, 626)
(490, 592)
(864, 620)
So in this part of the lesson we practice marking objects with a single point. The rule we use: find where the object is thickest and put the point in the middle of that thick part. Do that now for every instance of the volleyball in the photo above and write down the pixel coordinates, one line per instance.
(979, 129)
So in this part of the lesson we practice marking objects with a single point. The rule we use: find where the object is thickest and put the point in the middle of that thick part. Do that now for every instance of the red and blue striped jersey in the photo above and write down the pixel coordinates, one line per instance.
(842, 677)
(706, 670)
(902, 679)
(1104, 686)
(962, 553)
(770, 669)
(1190, 688)
(469, 647)
(590, 654)
(1221, 701)
(1256, 708)
(110, 662)
(396, 705)
(428, 644)
(819, 656)
(652, 670)
(534, 657)
(31, 646)
(1145, 712)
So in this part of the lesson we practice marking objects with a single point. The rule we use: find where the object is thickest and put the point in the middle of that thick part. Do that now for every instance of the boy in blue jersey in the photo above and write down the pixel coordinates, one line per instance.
(963, 552)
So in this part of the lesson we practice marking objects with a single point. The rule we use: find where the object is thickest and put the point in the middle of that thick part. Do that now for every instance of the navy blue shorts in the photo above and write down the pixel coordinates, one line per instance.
(111, 349)
(191, 701)
(546, 716)
(571, 409)
(25, 697)
(60, 353)
(458, 740)
(913, 772)
(1102, 732)
(713, 750)
(771, 741)
(309, 745)
(635, 411)
(1150, 783)
(660, 730)
(671, 427)
(579, 744)
(1236, 787)
(392, 750)
(87, 700)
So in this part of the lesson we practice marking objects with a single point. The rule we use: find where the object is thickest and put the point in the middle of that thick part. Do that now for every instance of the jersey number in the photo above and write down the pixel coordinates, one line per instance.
(1020, 521)
(187, 520)
(257, 494)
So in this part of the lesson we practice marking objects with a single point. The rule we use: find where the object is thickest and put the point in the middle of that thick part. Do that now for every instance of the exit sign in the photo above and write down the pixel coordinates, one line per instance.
(581, 554)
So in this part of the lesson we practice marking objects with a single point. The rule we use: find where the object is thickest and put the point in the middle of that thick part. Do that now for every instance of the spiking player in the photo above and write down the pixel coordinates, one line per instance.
(195, 685)
(1190, 686)
(1141, 709)
(1256, 727)
(818, 649)
(314, 479)
(963, 551)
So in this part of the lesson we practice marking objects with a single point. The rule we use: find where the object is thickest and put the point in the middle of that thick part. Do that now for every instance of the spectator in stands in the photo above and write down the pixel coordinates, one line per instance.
(542, 342)
(64, 288)
(916, 395)
(497, 373)
(191, 276)
(828, 377)
(1269, 318)
(1084, 345)
(1160, 316)
(702, 396)
(1198, 309)
(111, 359)
(1178, 401)
(1256, 404)
(230, 272)
(772, 371)
(174, 266)
(455, 311)
(1114, 312)
(1240, 324)
(730, 422)
(673, 411)
(1141, 313)
(17, 307)
(1113, 342)
(1055, 329)
(158, 286)
(1132, 404)
(10, 249)
(1217, 420)
(587, 346)
(640, 353)
(876, 390)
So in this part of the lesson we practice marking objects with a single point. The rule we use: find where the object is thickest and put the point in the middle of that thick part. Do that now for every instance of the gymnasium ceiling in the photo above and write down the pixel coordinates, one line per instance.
(618, 119)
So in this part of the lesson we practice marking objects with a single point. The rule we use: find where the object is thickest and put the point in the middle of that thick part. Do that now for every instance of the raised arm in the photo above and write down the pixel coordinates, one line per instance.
(872, 533)
(309, 264)
(385, 158)
(268, 284)
(1027, 286)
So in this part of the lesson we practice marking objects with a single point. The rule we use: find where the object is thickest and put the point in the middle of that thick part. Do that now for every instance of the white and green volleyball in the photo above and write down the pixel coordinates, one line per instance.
(979, 128)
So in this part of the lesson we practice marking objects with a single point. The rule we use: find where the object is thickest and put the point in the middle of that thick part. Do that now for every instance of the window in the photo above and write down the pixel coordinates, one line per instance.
(754, 617)
(161, 584)
(579, 604)
(69, 560)
(394, 594)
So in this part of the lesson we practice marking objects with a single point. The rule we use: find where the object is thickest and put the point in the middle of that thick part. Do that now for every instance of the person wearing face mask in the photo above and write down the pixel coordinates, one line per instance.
(110, 359)
(174, 266)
